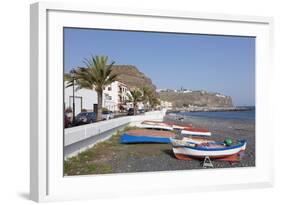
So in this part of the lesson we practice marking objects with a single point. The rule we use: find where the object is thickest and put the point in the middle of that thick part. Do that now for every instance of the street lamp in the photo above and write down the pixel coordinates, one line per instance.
(72, 74)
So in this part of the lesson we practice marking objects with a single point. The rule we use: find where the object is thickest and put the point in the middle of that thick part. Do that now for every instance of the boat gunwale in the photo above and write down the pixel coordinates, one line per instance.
(241, 144)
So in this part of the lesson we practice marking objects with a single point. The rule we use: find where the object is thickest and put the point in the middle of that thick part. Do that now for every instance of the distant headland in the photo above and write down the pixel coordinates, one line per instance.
(194, 99)
(212, 109)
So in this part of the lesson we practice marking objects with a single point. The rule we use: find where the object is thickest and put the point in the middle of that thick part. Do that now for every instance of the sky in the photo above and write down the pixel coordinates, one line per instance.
(224, 64)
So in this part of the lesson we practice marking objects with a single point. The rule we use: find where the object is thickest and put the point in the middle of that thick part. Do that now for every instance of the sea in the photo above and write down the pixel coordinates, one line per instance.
(248, 115)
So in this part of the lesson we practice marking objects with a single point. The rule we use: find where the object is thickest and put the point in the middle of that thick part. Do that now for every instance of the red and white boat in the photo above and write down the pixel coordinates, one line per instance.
(185, 129)
(196, 131)
(212, 150)
(179, 126)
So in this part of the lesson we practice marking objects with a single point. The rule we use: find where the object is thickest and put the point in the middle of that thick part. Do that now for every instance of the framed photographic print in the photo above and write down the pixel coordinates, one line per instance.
(127, 101)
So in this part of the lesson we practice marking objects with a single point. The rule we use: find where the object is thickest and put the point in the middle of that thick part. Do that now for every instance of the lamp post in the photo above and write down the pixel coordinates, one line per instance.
(72, 73)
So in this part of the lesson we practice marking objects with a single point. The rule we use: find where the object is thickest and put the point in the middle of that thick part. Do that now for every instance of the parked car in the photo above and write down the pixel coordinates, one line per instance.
(67, 122)
(106, 115)
(141, 111)
(130, 111)
(85, 118)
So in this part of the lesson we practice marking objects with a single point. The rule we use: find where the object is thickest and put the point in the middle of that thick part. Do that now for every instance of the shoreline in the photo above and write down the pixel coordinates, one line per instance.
(210, 109)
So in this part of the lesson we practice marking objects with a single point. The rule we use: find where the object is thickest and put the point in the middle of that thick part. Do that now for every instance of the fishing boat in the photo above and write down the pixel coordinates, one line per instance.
(179, 126)
(163, 125)
(146, 136)
(212, 150)
(195, 131)
(156, 125)
(185, 141)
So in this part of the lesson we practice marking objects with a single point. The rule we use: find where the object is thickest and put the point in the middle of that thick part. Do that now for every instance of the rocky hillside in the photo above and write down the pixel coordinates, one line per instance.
(132, 77)
(196, 98)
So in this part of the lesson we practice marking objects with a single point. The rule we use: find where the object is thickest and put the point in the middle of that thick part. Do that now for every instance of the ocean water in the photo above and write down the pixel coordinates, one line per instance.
(233, 115)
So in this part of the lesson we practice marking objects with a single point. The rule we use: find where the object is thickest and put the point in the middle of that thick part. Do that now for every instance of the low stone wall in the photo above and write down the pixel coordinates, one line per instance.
(81, 138)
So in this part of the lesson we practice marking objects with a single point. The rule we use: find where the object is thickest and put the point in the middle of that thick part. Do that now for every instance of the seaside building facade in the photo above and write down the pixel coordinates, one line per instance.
(166, 104)
(114, 98)
(84, 99)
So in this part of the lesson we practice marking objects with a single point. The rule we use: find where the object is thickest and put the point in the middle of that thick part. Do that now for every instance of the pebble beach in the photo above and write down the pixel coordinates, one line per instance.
(113, 157)
(220, 129)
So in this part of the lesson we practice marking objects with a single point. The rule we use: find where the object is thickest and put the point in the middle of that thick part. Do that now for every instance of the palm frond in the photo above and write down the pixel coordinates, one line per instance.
(135, 96)
(96, 74)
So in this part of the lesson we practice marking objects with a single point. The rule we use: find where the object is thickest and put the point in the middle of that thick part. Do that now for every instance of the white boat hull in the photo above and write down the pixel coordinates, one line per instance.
(187, 132)
(178, 127)
(212, 153)
(160, 127)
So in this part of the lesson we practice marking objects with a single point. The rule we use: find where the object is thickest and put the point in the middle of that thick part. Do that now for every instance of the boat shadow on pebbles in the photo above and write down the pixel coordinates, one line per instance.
(169, 152)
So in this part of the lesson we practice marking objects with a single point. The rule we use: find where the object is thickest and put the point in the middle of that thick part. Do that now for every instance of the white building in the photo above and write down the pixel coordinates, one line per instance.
(187, 91)
(84, 99)
(114, 98)
(166, 104)
(220, 95)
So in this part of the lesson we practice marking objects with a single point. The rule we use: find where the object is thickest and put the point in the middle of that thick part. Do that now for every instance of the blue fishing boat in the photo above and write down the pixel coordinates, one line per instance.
(146, 136)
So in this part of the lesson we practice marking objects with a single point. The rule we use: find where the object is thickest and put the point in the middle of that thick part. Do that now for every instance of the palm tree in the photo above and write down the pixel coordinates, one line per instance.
(147, 94)
(135, 96)
(97, 75)
(154, 101)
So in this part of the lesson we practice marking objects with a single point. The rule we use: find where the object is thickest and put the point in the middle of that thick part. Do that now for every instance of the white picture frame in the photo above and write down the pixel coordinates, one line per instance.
(46, 147)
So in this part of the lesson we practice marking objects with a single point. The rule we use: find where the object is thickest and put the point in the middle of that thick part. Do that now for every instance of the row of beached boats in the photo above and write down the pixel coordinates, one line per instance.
(187, 141)
(169, 126)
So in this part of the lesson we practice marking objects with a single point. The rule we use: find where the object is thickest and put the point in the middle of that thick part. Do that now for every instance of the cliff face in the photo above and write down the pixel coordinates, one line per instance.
(132, 77)
(196, 98)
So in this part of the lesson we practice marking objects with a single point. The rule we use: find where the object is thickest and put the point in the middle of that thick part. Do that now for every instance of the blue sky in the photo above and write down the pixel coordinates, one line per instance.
(224, 64)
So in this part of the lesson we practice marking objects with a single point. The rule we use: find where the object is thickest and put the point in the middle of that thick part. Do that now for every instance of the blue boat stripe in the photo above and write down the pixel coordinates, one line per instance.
(135, 139)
